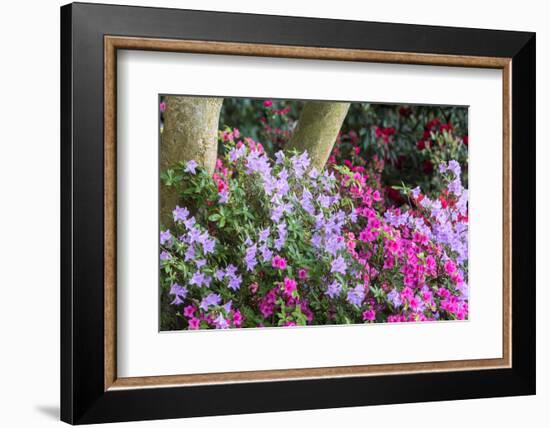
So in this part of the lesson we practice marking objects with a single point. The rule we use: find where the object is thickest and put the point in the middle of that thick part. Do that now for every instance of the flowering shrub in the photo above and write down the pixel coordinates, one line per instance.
(271, 241)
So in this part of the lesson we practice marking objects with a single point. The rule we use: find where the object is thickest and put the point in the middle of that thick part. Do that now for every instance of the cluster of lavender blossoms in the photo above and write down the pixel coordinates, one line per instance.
(266, 242)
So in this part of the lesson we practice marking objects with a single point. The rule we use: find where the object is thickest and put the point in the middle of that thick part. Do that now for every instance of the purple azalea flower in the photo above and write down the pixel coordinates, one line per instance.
(328, 180)
(223, 196)
(264, 234)
(179, 292)
(356, 295)
(324, 200)
(194, 235)
(269, 184)
(189, 253)
(267, 254)
(319, 221)
(190, 222)
(281, 186)
(191, 166)
(237, 153)
(165, 237)
(334, 289)
(230, 270)
(203, 237)
(333, 244)
(454, 167)
(395, 298)
(250, 258)
(277, 213)
(426, 202)
(313, 173)
(306, 202)
(227, 306)
(208, 246)
(180, 213)
(280, 157)
(200, 263)
(220, 274)
(235, 282)
(338, 265)
(316, 240)
(197, 279)
(455, 187)
(462, 203)
(211, 299)
(257, 162)
(300, 163)
(165, 255)
(220, 322)
(280, 241)
(283, 174)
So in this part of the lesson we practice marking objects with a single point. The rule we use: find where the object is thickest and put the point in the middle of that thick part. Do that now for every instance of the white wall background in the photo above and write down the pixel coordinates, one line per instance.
(29, 214)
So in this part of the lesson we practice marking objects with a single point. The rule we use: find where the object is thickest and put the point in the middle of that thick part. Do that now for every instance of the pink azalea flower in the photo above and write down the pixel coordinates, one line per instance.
(278, 262)
(189, 311)
(289, 286)
(237, 318)
(450, 267)
(369, 315)
(194, 324)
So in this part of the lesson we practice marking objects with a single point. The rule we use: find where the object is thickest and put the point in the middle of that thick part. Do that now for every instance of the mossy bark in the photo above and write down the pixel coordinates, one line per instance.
(190, 133)
(317, 129)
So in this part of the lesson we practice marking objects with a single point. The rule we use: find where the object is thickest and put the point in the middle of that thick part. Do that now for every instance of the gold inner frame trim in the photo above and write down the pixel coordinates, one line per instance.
(113, 43)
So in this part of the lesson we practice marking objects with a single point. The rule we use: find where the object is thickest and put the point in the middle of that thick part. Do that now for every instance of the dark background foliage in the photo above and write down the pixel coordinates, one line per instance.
(409, 140)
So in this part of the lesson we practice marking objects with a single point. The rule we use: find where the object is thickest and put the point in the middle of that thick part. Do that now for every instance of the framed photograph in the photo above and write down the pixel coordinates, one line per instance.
(266, 213)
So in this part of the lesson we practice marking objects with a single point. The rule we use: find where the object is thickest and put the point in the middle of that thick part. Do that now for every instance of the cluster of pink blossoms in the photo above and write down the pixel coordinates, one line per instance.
(409, 246)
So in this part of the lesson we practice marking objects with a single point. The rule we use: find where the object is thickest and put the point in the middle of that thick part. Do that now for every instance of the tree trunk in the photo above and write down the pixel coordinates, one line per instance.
(317, 129)
(190, 133)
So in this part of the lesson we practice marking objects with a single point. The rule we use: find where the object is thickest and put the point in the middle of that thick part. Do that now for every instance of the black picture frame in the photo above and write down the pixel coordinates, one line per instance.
(83, 398)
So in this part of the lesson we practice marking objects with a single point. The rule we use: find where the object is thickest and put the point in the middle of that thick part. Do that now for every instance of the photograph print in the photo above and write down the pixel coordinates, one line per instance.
(288, 213)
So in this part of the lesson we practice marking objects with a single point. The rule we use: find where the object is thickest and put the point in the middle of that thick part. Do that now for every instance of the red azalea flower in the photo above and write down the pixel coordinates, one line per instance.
(432, 124)
(394, 195)
(427, 166)
(353, 136)
(446, 127)
(405, 111)
(400, 161)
